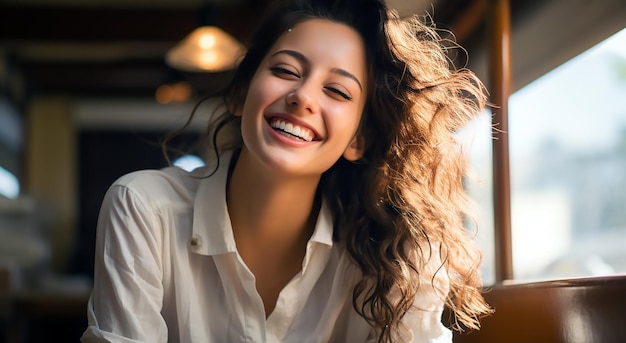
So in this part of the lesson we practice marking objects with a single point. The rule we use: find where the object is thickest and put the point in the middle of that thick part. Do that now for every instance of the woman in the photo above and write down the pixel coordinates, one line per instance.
(335, 216)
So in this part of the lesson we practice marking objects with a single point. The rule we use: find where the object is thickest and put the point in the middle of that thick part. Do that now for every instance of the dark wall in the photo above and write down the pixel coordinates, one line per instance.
(104, 156)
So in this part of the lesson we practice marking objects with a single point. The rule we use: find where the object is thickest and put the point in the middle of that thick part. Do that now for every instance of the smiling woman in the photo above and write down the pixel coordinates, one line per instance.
(335, 213)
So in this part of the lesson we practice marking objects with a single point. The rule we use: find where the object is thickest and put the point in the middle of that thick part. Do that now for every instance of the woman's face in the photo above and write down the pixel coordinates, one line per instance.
(305, 101)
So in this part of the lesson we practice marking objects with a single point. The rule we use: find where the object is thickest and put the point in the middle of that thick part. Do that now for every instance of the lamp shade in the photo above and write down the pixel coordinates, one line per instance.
(205, 49)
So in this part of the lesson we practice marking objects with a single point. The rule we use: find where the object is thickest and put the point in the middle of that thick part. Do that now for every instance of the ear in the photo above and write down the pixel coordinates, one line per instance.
(355, 149)
(236, 100)
(236, 109)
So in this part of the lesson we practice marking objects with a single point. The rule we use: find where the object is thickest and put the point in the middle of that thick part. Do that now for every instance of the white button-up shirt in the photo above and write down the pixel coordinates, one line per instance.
(167, 270)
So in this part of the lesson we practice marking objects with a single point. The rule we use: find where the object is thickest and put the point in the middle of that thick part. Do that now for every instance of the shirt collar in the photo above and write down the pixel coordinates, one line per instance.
(323, 232)
(212, 229)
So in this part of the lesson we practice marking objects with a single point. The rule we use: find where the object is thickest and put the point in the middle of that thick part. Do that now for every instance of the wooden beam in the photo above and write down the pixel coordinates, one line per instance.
(500, 89)
(469, 20)
(94, 25)
(89, 25)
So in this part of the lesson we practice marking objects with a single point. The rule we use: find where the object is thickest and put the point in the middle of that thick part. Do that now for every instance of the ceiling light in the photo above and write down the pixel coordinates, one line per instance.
(206, 49)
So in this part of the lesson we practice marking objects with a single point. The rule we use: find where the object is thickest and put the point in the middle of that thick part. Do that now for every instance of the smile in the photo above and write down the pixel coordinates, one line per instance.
(292, 130)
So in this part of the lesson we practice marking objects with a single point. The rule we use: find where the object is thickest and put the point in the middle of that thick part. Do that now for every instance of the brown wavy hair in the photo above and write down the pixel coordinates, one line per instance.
(404, 200)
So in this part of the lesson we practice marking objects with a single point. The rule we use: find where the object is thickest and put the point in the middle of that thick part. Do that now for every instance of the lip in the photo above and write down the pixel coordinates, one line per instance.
(290, 119)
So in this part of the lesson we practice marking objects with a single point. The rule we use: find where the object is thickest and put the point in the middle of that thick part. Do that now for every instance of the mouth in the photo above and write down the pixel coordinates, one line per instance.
(292, 130)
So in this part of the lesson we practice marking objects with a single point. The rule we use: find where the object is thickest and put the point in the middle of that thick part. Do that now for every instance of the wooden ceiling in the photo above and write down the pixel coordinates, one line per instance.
(116, 48)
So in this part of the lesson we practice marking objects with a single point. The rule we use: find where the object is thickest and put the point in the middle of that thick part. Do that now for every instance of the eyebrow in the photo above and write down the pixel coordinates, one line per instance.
(299, 56)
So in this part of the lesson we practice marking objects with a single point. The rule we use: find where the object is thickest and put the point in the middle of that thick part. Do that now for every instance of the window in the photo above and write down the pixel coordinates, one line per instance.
(567, 140)
(568, 167)
(477, 142)
(11, 142)
(188, 162)
(9, 186)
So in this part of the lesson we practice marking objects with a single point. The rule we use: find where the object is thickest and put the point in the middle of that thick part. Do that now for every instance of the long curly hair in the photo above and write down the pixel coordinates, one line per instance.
(405, 195)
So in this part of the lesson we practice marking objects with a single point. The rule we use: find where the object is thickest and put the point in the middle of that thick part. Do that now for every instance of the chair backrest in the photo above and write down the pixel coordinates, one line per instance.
(571, 311)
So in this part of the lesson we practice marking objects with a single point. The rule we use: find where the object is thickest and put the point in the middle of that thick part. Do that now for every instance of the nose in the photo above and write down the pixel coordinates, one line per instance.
(305, 98)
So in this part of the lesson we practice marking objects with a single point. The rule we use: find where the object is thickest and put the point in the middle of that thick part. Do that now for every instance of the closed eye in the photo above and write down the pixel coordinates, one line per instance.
(283, 71)
(338, 92)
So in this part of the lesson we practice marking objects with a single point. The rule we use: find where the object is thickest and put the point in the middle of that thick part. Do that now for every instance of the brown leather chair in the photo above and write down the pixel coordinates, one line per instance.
(589, 310)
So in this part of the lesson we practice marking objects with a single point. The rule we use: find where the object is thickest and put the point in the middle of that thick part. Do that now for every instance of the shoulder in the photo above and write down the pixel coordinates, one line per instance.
(169, 185)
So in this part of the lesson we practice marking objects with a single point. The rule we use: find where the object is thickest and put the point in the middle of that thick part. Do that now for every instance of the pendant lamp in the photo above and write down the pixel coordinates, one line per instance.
(206, 49)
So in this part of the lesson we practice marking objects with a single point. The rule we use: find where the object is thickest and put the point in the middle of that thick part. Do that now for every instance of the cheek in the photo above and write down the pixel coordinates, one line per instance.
(344, 123)
(262, 93)
(352, 118)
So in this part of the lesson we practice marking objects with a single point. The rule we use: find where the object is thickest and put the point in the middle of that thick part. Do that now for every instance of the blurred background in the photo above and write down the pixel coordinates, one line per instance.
(88, 89)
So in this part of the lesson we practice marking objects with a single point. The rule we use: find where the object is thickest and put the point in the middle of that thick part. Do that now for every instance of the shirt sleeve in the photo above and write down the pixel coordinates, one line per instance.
(126, 300)
(423, 320)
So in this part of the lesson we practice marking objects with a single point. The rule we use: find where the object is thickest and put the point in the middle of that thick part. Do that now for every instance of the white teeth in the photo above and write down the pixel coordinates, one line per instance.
(294, 130)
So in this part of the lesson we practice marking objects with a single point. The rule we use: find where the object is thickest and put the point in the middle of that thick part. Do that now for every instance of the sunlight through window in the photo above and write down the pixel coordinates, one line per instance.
(568, 167)
(9, 186)
(189, 162)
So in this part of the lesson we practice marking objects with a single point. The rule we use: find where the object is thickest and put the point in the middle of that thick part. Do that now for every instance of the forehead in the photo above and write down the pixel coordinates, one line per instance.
(325, 42)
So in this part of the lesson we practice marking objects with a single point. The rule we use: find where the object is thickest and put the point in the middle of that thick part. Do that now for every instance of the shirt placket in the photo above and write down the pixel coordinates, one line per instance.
(292, 298)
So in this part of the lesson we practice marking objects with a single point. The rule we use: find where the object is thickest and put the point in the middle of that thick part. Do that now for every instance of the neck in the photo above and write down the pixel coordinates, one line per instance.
(268, 206)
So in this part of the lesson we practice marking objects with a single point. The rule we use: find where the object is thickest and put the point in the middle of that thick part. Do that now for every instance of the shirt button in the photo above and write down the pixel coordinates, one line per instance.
(195, 242)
